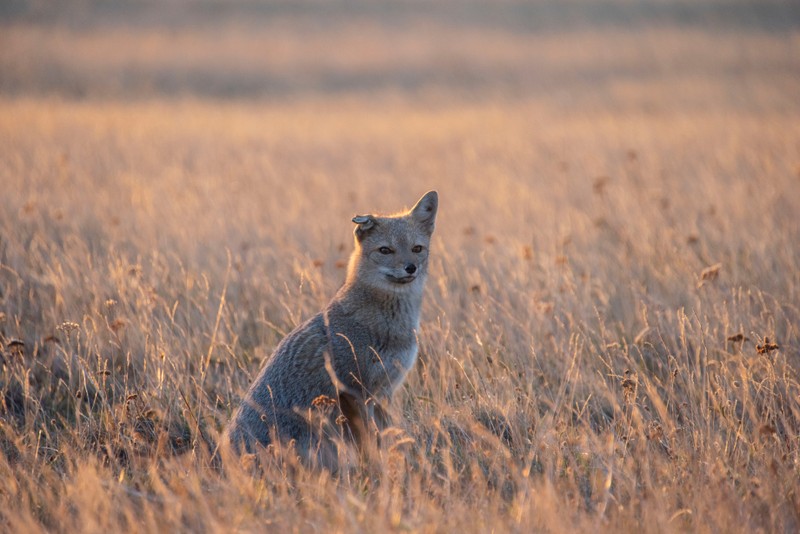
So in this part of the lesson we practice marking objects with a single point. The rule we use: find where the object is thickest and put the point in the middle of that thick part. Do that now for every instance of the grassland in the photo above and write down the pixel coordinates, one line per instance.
(610, 335)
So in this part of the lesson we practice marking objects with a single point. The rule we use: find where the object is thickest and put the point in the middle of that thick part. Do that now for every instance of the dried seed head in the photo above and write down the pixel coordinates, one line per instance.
(323, 401)
(600, 183)
(16, 348)
(527, 252)
(766, 347)
(709, 274)
(68, 328)
(767, 430)
(655, 431)
(629, 386)
(736, 338)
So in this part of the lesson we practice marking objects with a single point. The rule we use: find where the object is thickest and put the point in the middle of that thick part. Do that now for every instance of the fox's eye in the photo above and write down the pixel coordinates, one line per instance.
(416, 249)
(385, 250)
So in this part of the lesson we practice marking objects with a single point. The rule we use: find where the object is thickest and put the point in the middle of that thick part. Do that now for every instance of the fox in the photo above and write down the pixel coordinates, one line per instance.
(347, 361)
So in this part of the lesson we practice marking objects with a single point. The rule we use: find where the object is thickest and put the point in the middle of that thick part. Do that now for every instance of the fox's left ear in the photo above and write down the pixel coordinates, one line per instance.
(364, 223)
(425, 211)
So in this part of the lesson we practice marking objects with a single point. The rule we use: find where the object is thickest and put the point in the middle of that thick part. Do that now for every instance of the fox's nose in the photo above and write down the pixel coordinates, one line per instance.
(411, 268)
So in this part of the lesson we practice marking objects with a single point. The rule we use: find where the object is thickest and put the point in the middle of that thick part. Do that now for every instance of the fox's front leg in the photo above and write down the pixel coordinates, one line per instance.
(379, 417)
(365, 420)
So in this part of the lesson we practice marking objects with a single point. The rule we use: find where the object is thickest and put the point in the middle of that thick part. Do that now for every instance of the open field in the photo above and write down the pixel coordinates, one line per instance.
(611, 329)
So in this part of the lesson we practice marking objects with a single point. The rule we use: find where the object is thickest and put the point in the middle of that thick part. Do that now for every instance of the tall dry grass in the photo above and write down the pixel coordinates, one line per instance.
(575, 365)
(610, 329)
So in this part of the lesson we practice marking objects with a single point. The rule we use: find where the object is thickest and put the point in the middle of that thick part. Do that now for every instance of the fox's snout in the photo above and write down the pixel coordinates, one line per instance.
(411, 268)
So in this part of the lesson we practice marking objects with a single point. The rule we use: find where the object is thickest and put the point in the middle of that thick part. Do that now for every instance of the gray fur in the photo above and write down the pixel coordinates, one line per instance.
(357, 351)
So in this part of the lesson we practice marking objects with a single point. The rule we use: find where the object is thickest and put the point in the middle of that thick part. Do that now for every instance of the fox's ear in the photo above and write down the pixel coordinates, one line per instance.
(364, 223)
(425, 210)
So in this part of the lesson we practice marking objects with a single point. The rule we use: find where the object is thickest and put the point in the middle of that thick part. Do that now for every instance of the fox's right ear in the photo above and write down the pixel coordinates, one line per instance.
(364, 223)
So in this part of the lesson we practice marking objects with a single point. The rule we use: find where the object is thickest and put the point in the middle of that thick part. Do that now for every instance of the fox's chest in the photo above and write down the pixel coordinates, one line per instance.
(403, 358)
(390, 366)
(384, 359)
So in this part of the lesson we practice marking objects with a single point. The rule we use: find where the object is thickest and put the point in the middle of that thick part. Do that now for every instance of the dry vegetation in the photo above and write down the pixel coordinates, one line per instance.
(611, 331)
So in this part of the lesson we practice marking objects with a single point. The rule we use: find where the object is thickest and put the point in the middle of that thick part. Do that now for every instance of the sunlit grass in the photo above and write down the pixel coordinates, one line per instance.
(610, 328)
(579, 361)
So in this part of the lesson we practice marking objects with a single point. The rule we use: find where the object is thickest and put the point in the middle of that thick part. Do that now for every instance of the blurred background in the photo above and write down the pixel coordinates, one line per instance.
(569, 54)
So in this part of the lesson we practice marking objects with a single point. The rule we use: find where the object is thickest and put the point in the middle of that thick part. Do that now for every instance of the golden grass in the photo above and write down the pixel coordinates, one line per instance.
(610, 331)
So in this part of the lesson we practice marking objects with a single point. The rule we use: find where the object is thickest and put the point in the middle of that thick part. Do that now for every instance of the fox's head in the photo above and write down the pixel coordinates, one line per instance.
(392, 252)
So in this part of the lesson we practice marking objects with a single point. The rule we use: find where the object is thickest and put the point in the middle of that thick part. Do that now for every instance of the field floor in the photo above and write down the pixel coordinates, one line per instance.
(610, 336)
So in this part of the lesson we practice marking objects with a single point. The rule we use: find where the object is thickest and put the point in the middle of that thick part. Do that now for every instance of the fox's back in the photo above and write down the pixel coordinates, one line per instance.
(291, 378)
